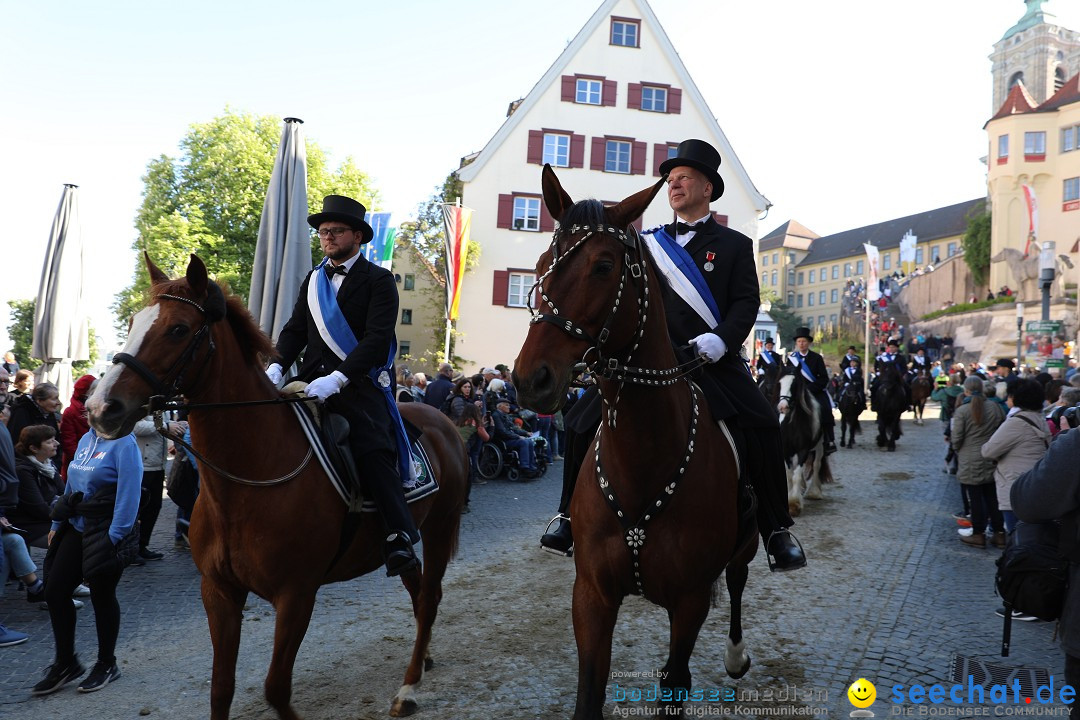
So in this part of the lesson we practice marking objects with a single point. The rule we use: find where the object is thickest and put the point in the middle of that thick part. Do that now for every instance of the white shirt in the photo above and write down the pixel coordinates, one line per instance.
(336, 280)
(687, 237)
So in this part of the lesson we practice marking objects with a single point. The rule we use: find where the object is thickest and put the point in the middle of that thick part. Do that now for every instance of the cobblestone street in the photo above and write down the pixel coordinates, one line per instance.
(890, 594)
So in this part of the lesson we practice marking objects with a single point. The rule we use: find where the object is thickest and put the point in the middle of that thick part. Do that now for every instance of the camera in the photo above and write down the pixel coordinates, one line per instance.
(1071, 414)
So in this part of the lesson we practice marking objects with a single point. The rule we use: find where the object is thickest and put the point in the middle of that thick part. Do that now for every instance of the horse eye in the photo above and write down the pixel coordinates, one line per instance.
(178, 331)
(603, 267)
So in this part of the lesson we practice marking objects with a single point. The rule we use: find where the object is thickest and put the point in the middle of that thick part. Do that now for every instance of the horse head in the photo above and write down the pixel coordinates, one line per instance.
(169, 347)
(592, 287)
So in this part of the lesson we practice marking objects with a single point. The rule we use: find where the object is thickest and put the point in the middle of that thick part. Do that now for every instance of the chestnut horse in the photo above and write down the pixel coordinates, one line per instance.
(277, 528)
(921, 387)
(655, 509)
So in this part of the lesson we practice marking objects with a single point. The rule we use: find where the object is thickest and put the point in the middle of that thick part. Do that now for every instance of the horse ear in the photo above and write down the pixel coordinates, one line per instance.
(633, 207)
(196, 276)
(555, 198)
(156, 275)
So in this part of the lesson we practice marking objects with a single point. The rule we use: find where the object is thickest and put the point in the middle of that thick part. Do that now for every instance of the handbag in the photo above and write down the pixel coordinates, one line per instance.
(182, 483)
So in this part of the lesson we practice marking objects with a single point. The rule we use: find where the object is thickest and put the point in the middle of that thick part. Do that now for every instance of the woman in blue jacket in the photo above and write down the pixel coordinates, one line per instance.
(97, 511)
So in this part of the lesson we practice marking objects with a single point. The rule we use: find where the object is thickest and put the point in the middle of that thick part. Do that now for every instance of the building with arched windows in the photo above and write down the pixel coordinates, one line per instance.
(1036, 52)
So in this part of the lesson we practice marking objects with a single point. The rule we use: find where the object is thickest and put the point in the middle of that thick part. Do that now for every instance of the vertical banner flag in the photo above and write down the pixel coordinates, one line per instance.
(380, 250)
(907, 252)
(873, 290)
(457, 222)
(1033, 216)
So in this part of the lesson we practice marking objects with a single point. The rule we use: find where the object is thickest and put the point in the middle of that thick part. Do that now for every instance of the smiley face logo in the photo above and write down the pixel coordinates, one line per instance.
(862, 693)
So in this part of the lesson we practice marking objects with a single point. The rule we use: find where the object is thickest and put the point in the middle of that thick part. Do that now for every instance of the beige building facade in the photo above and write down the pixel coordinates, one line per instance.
(421, 307)
(1037, 52)
(778, 254)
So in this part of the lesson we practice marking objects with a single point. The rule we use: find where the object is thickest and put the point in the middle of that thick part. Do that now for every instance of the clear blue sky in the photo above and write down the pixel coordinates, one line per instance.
(844, 114)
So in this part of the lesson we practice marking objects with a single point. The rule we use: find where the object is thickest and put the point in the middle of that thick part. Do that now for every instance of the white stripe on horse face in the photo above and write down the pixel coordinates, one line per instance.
(140, 326)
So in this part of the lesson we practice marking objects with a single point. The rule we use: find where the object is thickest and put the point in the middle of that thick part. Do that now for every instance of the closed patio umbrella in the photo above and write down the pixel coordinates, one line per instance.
(61, 327)
(283, 249)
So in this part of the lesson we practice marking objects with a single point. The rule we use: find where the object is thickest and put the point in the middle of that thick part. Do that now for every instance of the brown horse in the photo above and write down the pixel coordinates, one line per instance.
(655, 509)
(285, 534)
(921, 387)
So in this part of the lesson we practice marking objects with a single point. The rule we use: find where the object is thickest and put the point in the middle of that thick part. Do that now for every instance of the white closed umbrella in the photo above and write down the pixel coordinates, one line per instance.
(283, 250)
(61, 327)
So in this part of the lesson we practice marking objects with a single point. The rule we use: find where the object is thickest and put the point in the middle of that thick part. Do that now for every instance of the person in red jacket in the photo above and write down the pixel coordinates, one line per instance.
(73, 423)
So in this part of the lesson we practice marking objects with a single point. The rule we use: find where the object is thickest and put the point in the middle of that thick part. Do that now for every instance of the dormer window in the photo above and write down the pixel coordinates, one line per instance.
(625, 32)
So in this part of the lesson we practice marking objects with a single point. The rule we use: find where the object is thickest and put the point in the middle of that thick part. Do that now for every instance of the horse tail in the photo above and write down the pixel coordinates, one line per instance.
(826, 471)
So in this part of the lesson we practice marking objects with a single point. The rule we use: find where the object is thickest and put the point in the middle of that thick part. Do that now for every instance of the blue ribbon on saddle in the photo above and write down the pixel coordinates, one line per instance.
(342, 341)
(683, 274)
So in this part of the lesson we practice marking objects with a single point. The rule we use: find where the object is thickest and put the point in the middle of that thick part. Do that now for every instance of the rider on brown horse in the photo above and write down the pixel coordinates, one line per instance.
(693, 183)
(346, 322)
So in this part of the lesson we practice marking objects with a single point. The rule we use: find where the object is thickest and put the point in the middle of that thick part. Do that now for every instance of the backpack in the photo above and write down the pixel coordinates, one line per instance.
(1032, 574)
(445, 408)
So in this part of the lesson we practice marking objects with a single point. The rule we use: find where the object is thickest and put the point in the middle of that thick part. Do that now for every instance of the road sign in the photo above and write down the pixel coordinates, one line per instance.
(1044, 326)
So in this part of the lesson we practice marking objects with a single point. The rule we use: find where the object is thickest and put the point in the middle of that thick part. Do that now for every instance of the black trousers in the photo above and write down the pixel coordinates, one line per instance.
(153, 482)
(65, 574)
(984, 507)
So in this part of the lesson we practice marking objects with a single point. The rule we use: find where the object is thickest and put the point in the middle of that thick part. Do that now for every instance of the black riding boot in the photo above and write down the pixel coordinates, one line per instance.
(401, 533)
(830, 439)
(560, 541)
(784, 551)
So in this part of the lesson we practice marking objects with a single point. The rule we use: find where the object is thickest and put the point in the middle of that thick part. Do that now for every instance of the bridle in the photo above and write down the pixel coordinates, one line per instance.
(166, 391)
(634, 268)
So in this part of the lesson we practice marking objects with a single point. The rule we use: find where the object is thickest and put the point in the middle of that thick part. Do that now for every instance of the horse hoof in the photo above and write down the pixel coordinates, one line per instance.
(736, 674)
(814, 495)
(892, 448)
(428, 664)
(794, 509)
(402, 708)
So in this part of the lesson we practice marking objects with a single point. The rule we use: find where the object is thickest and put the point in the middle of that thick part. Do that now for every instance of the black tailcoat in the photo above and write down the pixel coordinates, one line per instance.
(368, 298)
(816, 363)
(727, 383)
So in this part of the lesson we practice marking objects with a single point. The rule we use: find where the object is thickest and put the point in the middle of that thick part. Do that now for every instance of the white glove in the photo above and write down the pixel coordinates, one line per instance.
(274, 373)
(711, 346)
(324, 387)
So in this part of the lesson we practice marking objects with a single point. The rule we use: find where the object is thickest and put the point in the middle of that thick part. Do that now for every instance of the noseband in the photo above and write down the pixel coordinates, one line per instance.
(169, 386)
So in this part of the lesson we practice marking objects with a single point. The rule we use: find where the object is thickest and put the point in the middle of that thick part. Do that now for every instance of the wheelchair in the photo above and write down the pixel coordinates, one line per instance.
(496, 458)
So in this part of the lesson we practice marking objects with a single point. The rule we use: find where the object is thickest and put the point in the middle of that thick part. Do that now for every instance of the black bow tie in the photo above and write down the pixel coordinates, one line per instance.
(682, 228)
(332, 270)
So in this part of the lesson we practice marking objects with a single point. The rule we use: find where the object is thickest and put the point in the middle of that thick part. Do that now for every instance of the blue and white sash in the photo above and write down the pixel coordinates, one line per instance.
(767, 357)
(806, 372)
(338, 336)
(682, 273)
(850, 372)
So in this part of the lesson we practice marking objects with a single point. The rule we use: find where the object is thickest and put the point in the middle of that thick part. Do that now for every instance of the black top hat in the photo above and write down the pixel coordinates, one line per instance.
(803, 332)
(769, 341)
(346, 210)
(701, 156)
(893, 341)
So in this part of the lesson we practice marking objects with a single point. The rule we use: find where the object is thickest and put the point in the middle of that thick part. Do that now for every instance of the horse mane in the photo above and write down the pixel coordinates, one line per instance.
(584, 212)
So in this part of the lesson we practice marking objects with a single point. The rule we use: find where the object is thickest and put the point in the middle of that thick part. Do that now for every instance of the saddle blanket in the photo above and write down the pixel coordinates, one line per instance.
(424, 485)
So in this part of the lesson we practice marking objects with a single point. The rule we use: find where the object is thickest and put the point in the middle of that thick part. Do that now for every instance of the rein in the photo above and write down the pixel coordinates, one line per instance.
(166, 390)
(634, 266)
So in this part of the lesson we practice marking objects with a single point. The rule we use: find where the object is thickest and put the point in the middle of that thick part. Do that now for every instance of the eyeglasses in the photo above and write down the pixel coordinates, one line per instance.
(336, 232)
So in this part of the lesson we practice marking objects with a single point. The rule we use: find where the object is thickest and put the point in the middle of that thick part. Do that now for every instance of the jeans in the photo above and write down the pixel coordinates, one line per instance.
(543, 425)
(1010, 520)
(524, 448)
(984, 508)
(18, 557)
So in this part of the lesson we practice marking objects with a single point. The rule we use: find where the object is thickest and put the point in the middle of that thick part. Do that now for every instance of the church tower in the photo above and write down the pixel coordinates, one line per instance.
(1036, 51)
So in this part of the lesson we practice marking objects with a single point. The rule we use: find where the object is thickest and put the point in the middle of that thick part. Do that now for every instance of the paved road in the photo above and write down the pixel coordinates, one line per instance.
(891, 595)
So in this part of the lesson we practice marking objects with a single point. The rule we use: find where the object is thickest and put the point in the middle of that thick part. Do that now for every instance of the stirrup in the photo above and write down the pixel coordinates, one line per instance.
(772, 565)
(554, 551)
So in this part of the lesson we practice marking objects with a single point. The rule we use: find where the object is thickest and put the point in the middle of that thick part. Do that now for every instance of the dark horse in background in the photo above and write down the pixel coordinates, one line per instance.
(655, 512)
(852, 403)
(804, 440)
(769, 383)
(921, 387)
(890, 399)
(277, 527)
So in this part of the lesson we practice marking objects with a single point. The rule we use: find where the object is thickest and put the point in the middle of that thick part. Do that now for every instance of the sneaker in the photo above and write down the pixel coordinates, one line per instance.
(57, 676)
(965, 531)
(99, 677)
(963, 522)
(1016, 615)
(81, 591)
(148, 554)
(11, 637)
(962, 515)
(36, 597)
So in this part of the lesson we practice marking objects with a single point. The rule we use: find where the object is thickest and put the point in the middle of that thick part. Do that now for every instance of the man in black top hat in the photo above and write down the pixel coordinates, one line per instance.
(768, 360)
(891, 358)
(851, 354)
(725, 259)
(811, 365)
(364, 297)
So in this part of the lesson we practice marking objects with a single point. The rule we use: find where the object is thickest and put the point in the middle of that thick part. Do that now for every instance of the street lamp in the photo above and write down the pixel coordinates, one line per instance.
(1046, 274)
(1019, 333)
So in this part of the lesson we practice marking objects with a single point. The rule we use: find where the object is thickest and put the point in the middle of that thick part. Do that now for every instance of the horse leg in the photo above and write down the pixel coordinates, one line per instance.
(594, 624)
(293, 615)
(736, 659)
(813, 490)
(425, 590)
(794, 493)
(686, 620)
(224, 605)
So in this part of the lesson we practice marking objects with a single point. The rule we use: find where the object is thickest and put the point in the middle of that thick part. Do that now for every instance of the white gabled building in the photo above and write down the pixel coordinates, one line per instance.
(610, 109)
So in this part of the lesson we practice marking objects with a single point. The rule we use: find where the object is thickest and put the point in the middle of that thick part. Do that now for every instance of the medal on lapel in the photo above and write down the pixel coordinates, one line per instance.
(709, 257)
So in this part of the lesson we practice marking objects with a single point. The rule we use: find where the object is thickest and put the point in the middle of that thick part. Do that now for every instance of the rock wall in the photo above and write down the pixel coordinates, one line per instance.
(950, 281)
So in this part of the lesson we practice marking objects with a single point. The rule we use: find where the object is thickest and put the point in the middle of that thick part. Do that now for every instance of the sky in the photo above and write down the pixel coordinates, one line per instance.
(843, 113)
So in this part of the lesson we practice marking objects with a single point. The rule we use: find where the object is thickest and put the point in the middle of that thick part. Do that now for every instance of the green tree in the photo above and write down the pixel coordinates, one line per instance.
(427, 235)
(21, 332)
(977, 247)
(786, 322)
(208, 200)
